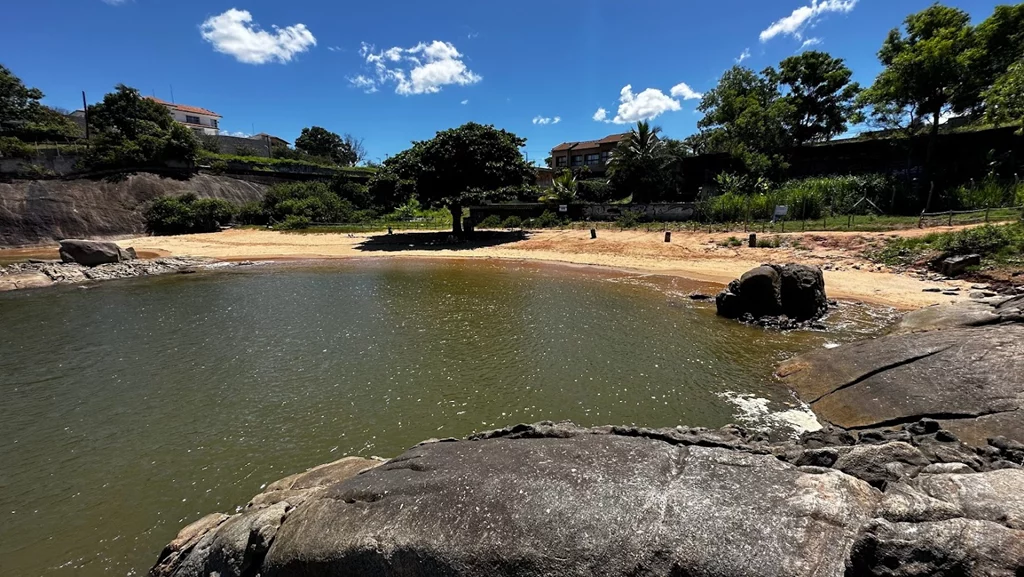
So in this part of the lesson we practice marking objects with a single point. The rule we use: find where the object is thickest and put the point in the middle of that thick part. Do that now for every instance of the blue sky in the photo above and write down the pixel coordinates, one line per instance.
(392, 72)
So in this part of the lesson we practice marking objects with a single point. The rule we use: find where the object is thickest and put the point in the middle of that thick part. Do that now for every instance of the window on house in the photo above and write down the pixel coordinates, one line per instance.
(213, 122)
(191, 119)
(606, 156)
(577, 160)
(592, 159)
(560, 161)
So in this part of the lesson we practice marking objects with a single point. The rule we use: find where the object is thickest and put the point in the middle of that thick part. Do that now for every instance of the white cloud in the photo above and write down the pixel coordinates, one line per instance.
(683, 90)
(430, 67)
(234, 33)
(546, 120)
(238, 134)
(647, 105)
(743, 56)
(466, 101)
(804, 16)
(335, 48)
(115, 2)
(810, 42)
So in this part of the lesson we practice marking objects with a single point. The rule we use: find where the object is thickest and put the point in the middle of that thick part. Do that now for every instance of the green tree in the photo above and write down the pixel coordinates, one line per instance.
(563, 189)
(134, 132)
(746, 117)
(1004, 101)
(22, 113)
(320, 142)
(463, 165)
(821, 94)
(637, 166)
(928, 68)
(1000, 39)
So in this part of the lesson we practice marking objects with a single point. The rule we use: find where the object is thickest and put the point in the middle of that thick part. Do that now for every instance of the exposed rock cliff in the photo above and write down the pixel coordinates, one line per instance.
(38, 211)
(552, 500)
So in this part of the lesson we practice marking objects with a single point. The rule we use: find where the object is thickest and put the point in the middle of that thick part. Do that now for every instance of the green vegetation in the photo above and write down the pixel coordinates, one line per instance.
(11, 147)
(463, 165)
(999, 245)
(318, 142)
(547, 219)
(206, 157)
(492, 221)
(187, 214)
(133, 132)
(512, 222)
(22, 115)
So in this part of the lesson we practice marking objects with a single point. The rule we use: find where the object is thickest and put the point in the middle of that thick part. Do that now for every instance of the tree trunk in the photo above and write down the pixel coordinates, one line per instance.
(933, 138)
(456, 210)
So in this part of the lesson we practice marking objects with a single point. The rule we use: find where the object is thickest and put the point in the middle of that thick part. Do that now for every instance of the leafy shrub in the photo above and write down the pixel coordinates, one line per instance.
(990, 193)
(773, 242)
(11, 147)
(629, 219)
(492, 221)
(293, 222)
(243, 150)
(512, 222)
(365, 215)
(252, 213)
(314, 201)
(595, 191)
(547, 220)
(187, 214)
(218, 166)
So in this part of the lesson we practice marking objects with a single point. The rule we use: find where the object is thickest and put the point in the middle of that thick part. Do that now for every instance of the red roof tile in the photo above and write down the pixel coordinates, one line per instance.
(612, 139)
(185, 107)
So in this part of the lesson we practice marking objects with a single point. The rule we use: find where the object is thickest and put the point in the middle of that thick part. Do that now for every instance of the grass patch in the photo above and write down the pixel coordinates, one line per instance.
(998, 245)
(259, 162)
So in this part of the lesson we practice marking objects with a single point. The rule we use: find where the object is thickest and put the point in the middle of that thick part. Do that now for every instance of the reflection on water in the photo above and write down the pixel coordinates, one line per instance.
(131, 408)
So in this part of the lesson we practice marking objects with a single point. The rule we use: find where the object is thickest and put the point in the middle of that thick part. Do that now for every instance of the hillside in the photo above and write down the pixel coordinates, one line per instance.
(39, 211)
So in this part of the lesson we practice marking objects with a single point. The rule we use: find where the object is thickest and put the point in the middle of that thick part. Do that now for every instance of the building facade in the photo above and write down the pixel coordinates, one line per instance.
(198, 119)
(593, 154)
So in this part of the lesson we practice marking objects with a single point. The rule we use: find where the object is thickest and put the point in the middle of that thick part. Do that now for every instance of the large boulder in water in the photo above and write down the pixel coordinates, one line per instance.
(794, 290)
(93, 252)
(552, 500)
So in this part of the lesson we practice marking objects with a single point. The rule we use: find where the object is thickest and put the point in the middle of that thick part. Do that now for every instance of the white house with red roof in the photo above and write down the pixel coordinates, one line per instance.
(198, 119)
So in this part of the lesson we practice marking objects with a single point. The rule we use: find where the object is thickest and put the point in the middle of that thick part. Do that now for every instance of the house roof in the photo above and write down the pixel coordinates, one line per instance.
(185, 107)
(610, 139)
(263, 135)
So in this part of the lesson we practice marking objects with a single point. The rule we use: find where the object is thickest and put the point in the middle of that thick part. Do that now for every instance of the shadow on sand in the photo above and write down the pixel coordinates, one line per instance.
(439, 241)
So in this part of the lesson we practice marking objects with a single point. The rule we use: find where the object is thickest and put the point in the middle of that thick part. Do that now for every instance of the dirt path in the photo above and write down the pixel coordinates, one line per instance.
(699, 256)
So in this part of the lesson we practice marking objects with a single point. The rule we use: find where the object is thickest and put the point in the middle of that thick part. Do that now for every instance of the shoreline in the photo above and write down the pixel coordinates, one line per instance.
(694, 256)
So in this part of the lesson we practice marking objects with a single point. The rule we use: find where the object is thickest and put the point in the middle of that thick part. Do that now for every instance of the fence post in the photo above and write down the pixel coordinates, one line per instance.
(824, 221)
(920, 220)
(950, 218)
(986, 213)
(849, 221)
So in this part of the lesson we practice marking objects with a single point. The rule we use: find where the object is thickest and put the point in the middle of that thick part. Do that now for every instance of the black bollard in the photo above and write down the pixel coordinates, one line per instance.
(753, 240)
(593, 233)
(668, 236)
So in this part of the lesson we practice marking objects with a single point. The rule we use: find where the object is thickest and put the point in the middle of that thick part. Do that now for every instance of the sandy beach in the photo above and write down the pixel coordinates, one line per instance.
(697, 256)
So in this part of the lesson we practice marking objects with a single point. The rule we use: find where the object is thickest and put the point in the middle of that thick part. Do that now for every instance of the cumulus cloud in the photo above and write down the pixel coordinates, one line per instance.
(743, 56)
(683, 90)
(466, 101)
(810, 42)
(114, 2)
(804, 16)
(238, 134)
(546, 119)
(647, 105)
(422, 69)
(234, 33)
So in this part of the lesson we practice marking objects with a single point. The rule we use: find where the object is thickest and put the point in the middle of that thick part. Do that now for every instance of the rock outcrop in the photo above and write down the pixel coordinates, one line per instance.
(94, 252)
(40, 211)
(962, 364)
(549, 499)
(43, 274)
(794, 292)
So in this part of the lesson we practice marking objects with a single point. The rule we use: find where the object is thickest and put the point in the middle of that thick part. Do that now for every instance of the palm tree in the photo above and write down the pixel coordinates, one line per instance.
(563, 190)
(638, 164)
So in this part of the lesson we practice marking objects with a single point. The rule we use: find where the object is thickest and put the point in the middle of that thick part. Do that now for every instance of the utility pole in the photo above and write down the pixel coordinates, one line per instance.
(85, 109)
(172, 94)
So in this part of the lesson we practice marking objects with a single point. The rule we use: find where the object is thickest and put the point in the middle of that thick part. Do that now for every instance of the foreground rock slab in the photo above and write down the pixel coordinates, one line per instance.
(552, 500)
(94, 252)
(43, 274)
(961, 364)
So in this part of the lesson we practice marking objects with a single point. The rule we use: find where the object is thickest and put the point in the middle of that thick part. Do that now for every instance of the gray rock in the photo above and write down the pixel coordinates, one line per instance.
(940, 468)
(577, 504)
(956, 265)
(803, 292)
(960, 547)
(968, 379)
(880, 464)
(90, 252)
(761, 291)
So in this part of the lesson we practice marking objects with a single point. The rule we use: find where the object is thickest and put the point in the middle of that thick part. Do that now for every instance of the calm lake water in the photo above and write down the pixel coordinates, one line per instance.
(131, 408)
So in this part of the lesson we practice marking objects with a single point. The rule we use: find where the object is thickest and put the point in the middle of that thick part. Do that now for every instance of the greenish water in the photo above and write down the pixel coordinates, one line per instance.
(131, 408)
